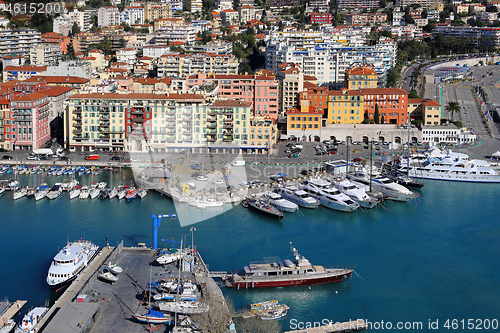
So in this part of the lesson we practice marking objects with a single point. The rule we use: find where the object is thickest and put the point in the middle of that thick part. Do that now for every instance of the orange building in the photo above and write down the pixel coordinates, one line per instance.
(305, 118)
(56, 39)
(392, 104)
(317, 96)
(361, 77)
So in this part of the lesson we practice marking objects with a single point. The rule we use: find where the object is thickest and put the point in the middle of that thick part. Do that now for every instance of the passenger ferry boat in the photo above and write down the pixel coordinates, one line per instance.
(274, 273)
(70, 261)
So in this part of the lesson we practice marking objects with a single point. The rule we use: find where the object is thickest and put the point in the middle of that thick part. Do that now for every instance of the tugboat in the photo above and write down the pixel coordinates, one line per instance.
(273, 273)
(262, 207)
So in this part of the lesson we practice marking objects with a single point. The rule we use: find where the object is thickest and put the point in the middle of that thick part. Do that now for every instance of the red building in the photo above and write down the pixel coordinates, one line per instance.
(321, 18)
(56, 39)
(29, 116)
(392, 104)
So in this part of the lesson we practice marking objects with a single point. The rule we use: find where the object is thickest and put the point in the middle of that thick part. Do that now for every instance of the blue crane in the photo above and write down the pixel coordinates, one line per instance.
(156, 226)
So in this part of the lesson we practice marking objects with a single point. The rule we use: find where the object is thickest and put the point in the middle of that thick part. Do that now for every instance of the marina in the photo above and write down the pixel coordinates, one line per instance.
(382, 228)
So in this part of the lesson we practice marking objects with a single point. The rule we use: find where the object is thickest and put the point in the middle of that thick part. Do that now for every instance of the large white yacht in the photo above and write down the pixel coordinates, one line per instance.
(70, 261)
(356, 193)
(299, 197)
(387, 187)
(332, 198)
(447, 165)
(277, 201)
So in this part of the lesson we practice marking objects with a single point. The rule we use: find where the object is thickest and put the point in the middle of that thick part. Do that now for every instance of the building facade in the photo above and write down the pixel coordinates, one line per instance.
(29, 116)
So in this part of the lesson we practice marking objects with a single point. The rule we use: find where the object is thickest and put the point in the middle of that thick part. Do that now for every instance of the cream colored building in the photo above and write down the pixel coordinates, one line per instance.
(173, 65)
(45, 54)
(100, 61)
(154, 11)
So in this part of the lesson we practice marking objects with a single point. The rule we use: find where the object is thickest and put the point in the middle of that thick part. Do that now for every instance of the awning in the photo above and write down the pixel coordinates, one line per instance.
(102, 144)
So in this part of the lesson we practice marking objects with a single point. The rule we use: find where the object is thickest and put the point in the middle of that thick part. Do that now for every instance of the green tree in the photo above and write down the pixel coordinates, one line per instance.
(452, 107)
(75, 29)
(413, 94)
(382, 120)
(376, 115)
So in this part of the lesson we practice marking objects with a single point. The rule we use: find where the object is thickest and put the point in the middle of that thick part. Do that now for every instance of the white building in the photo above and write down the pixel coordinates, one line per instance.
(398, 17)
(127, 55)
(318, 6)
(82, 19)
(155, 51)
(327, 56)
(18, 41)
(133, 15)
(449, 134)
(221, 5)
(63, 25)
(45, 54)
(179, 33)
(108, 16)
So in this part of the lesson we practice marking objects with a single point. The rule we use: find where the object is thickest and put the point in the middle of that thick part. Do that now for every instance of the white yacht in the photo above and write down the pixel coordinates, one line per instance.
(356, 193)
(448, 165)
(70, 261)
(113, 193)
(84, 192)
(122, 192)
(55, 191)
(141, 193)
(20, 192)
(332, 198)
(184, 307)
(277, 201)
(41, 192)
(30, 320)
(172, 256)
(387, 187)
(75, 192)
(299, 197)
(102, 185)
(2, 190)
(94, 191)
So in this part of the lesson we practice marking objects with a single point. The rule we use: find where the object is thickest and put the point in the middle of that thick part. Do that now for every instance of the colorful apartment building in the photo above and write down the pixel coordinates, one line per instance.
(317, 96)
(179, 65)
(56, 39)
(345, 107)
(158, 86)
(22, 72)
(361, 77)
(392, 104)
(427, 110)
(261, 90)
(77, 83)
(4, 124)
(304, 121)
(29, 126)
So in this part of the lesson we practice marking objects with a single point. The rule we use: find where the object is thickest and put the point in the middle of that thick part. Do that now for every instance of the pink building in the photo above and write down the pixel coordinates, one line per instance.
(261, 90)
(29, 116)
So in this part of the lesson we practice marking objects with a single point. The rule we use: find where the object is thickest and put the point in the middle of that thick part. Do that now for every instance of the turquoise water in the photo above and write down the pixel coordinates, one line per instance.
(434, 259)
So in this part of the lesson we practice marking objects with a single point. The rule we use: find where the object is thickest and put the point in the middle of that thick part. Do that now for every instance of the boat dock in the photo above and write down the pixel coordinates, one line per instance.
(91, 304)
(11, 312)
(348, 326)
(76, 286)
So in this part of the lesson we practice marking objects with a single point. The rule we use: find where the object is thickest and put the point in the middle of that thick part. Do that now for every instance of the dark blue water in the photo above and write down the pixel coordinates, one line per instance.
(434, 259)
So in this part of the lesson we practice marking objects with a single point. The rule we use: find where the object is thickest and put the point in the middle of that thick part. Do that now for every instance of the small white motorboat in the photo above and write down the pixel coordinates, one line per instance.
(114, 268)
(107, 276)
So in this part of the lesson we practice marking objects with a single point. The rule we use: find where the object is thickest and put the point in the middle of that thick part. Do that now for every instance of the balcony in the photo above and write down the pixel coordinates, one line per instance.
(137, 119)
(211, 125)
(213, 112)
(105, 109)
(78, 109)
(104, 118)
(77, 131)
(170, 124)
(212, 119)
(137, 111)
(228, 125)
(227, 139)
(77, 118)
(77, 124)
(211, 139)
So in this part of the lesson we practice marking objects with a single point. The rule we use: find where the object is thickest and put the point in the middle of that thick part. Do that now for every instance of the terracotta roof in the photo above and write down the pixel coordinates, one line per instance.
(229, 11)
(312, 110)
(29, 97)
(343, 92)
(88, 58)
(310, 78)
(310, 85)
(56, 91)
(431, 102)
(365, 70)
(26, 68)
(57, 79)
(145, 58)
(95, 51)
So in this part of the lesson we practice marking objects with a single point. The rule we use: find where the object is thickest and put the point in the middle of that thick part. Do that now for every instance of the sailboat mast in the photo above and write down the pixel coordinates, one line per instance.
(371, 163)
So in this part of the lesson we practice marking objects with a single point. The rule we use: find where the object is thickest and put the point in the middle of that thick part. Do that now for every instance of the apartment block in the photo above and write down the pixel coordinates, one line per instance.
(406, 3)
(63, 25)
(320, 6)
(392, 104)
(193, 6)
(51, 38)
(365, 18)
(154, 11)
(346, 107)
(179, 65)
(221, 5)
(346, 4)
(281, 3)
(229, 17)
(5, 124)
(317, 97)
(398, 17)
(18, 41)
(108, 16)
(263, 132)
(81, 18)
(304, 121)
(132, 15)
(77, 83)
(476, 33)
(29, 116)
(45, 54)
(158, 86)
(127, 55)
(162, 23)
(360, 77)
(246, 13)
(180, 33)
(321, 18)
(22, 72)
(427, 110)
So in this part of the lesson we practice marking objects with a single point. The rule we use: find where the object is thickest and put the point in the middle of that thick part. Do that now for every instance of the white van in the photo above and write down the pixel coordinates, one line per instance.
(238, 163)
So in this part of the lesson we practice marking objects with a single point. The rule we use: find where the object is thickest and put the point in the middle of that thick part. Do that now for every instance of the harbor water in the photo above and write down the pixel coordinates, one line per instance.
(435, 258)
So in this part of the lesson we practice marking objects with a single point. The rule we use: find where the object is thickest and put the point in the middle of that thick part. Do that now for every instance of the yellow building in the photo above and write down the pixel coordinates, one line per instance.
(360, 78)
(427, 110)
(438, 5)
(345, 107)
(306, 118)
(154, 11)
(263, 131)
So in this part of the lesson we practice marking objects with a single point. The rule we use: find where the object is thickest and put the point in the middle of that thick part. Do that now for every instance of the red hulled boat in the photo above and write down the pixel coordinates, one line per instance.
(274, 273)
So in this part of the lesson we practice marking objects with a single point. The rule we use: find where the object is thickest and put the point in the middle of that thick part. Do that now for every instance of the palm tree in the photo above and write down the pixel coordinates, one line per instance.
(452, 107)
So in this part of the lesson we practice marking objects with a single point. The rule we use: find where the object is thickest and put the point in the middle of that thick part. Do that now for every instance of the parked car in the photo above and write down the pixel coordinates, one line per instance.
(196, 174)
(227, 177)
(3, 150)
(195, 167)
(258, 183)
(134, 159)
(32, 157)
(202, 178)
(298, 146)
(246, 184)
(115, 158)
(6, 157)
(276, 178)
(305, 172)
(357, 160)
(219, 181)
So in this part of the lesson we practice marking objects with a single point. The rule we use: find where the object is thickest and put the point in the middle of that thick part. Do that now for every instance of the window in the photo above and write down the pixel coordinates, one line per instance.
(292, 118)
